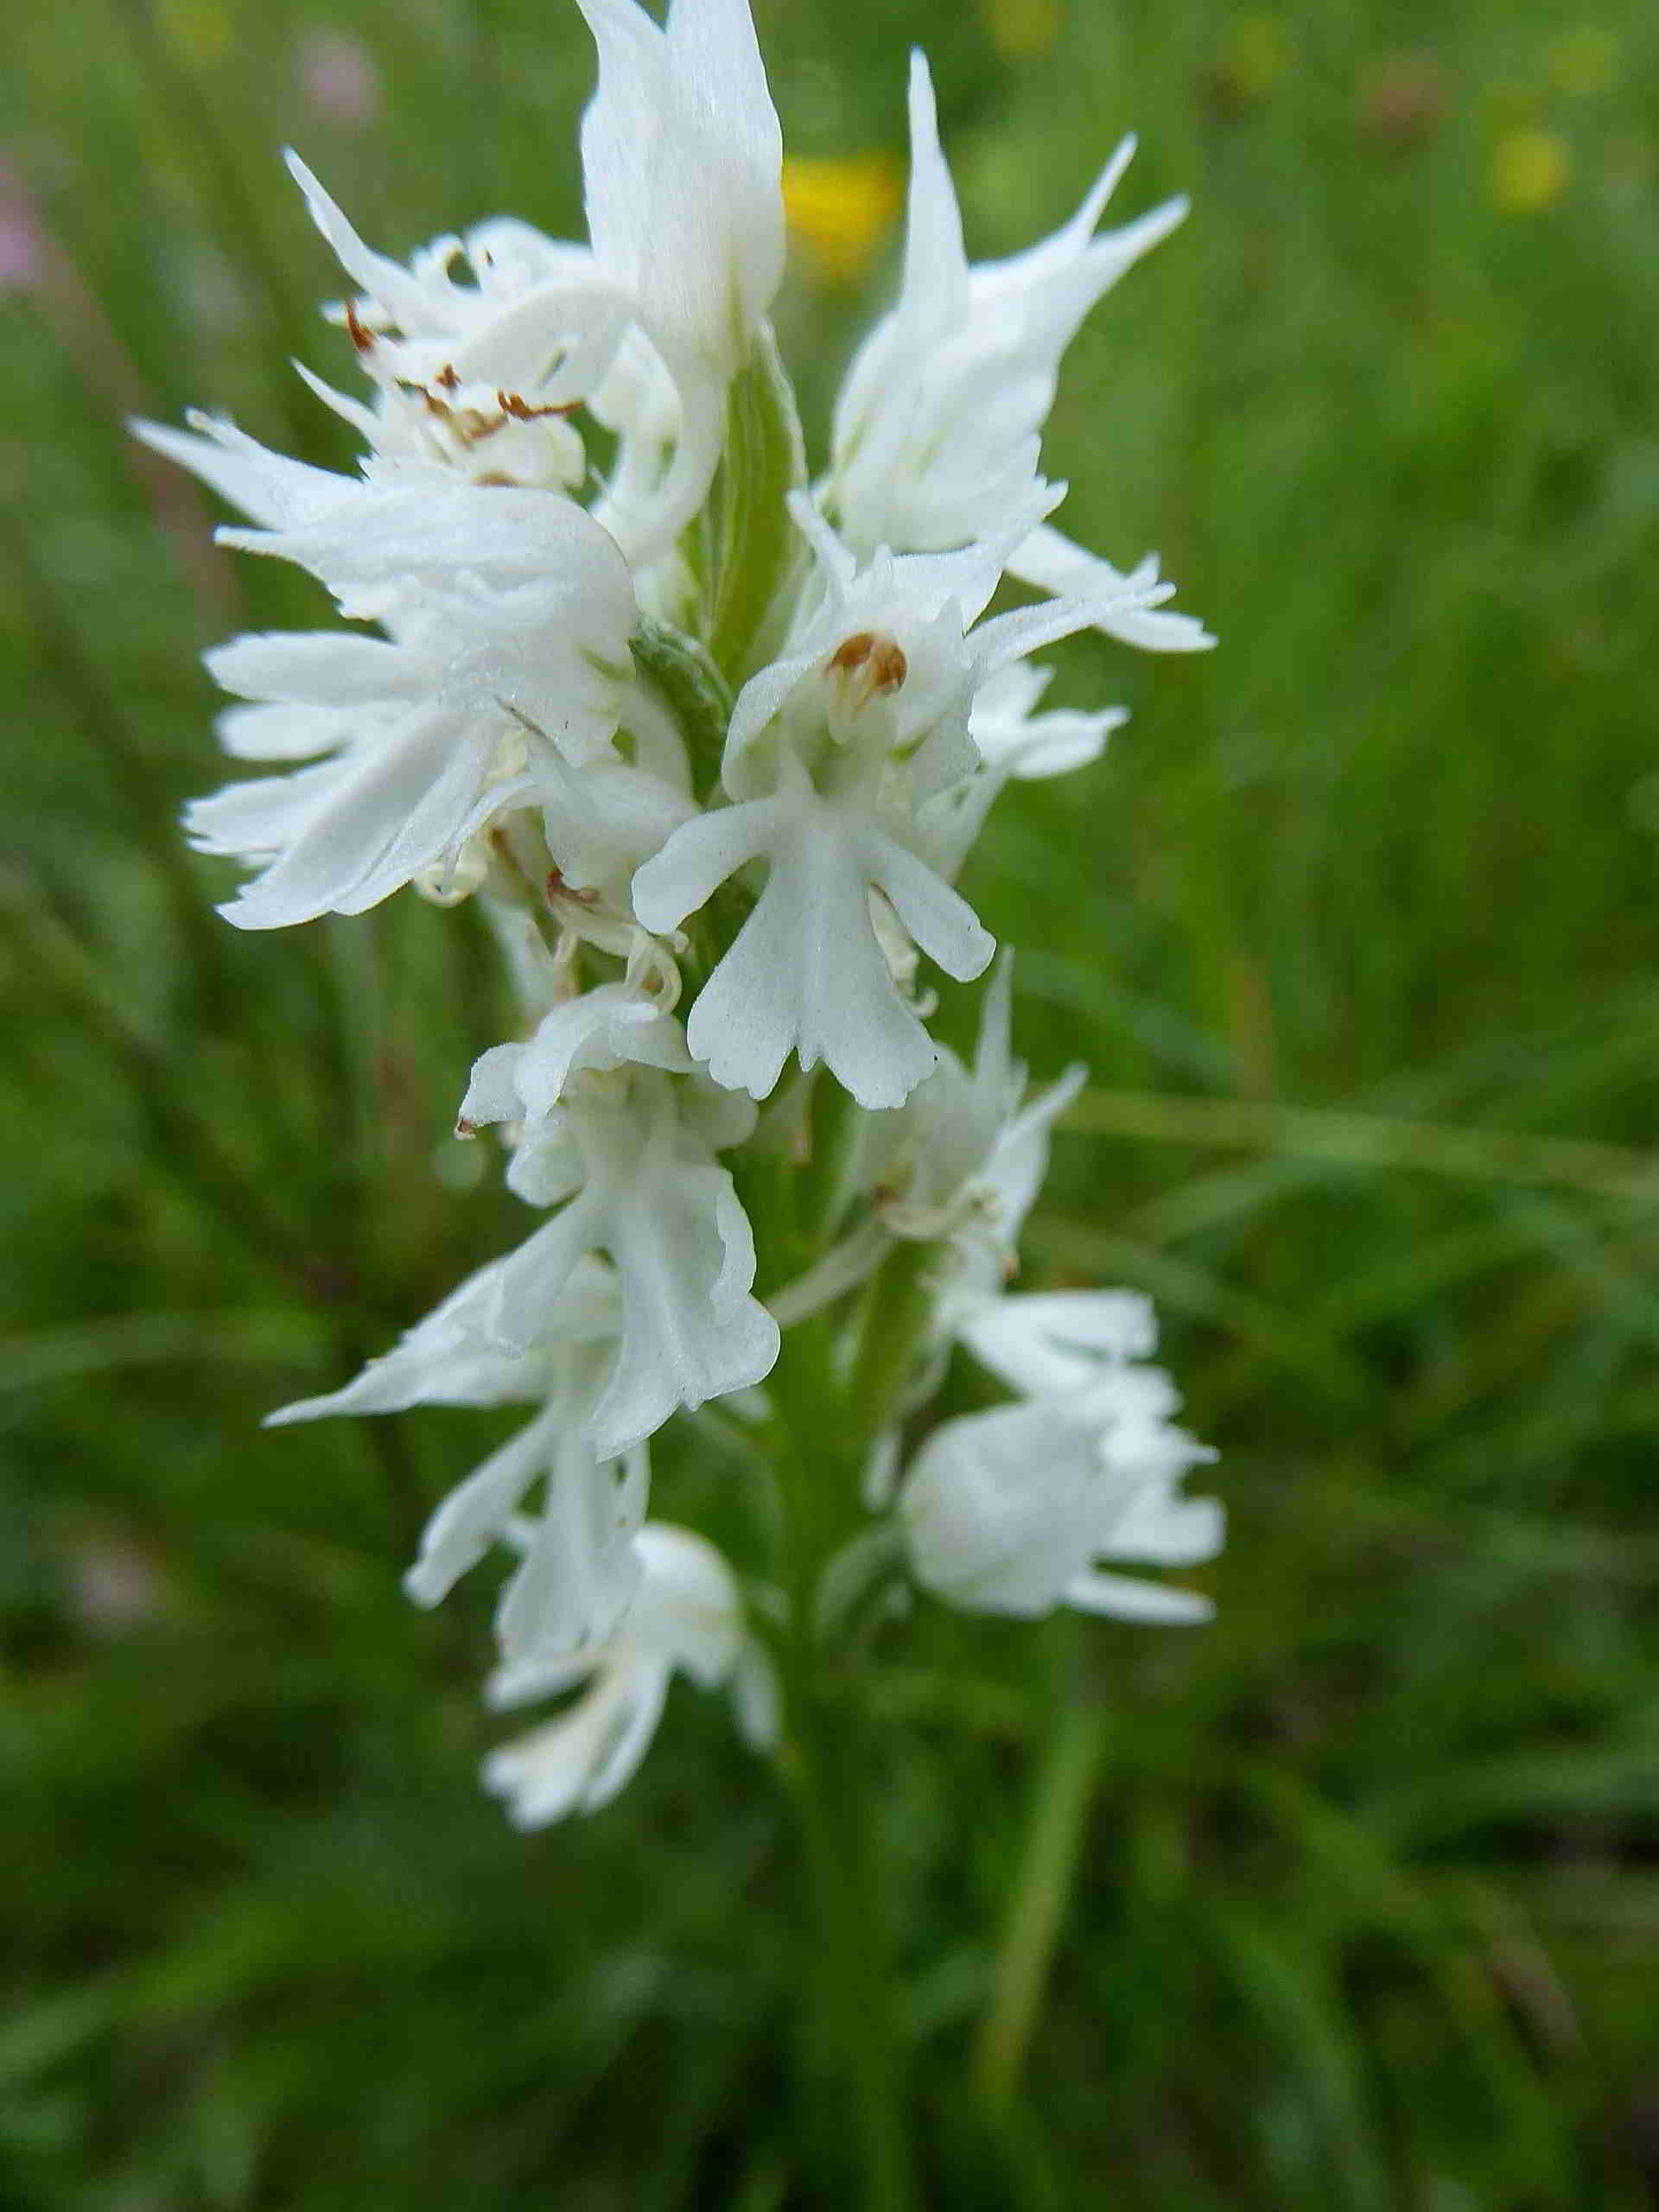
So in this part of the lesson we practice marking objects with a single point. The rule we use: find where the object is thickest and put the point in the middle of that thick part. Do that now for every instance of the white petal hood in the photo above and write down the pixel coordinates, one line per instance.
(682, 167)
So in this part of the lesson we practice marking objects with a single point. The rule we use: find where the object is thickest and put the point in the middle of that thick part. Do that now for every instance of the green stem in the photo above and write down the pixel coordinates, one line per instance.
(854, 2074)
(833, 1125)
(855, 2043)
(895, 1318)
(762, 460)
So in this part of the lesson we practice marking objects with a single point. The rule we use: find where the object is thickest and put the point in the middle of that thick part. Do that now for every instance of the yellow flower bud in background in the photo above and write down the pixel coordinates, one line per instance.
(1530, 171)
(839, 208)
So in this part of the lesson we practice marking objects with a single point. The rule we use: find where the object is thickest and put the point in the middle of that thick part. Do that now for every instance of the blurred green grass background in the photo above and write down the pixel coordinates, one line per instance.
(1350, 1901)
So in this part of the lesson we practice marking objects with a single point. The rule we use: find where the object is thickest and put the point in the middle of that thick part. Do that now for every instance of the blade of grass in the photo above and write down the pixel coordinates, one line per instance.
(1061, 1801)
(1373, 1141)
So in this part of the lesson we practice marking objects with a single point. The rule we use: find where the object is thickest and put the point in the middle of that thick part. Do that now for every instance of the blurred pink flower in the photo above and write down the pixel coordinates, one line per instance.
(22, 245)
(113, 1584)
(338, 78)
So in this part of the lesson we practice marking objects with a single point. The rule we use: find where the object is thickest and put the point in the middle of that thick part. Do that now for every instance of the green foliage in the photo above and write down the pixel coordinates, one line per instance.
(1348, 1901)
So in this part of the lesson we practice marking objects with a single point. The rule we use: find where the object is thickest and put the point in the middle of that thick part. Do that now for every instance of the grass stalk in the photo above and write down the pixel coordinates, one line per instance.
(1061, 1797)
(1371, 1141)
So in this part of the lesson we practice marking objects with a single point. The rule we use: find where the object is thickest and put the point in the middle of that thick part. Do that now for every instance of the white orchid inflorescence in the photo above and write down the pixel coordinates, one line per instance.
(710, 746)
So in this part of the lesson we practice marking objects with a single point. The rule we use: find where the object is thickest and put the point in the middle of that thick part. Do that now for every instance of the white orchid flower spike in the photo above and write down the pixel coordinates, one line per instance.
(707, 750)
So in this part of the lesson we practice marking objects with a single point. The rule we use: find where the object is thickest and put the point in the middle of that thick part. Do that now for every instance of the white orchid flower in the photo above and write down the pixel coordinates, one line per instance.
(1050, 562)
(579, 1565)
(480, 380)
(1016, 744)
(683, 167)
(578, 1570)
(806, 973)
(630, 1159)
(687, 1616)
(536, 311)
(682, 160)
(605, 819)
(612, 1027)
(476, 380)
(452, 1357)
(966, 1157)
(832, 752)
(938, 428)
(1009, 1511)
(1056, 1344)
(511, 614)
(1014, 741)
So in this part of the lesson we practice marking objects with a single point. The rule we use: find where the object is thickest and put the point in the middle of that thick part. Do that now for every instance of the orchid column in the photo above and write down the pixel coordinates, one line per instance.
(710, 746)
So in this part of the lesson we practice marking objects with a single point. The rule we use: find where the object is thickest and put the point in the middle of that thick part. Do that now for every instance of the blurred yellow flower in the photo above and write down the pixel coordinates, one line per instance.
(1255, 54)
(1021, 27)
(838, 208)
(1583, 61)
(1530, 171)
(200, 29)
